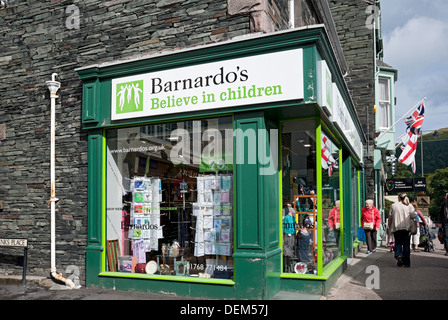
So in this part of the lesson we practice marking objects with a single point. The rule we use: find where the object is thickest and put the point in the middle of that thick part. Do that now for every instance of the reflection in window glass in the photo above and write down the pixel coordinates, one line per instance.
(331, 228)
(355, 202)
(170, 198)
(299, 197)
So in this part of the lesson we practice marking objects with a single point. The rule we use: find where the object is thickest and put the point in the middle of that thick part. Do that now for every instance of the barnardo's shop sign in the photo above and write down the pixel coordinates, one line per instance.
(251, 80)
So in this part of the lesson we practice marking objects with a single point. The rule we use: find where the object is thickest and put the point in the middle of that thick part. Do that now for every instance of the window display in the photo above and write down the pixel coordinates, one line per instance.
(299, 197)
(170, 198)
(331, 206)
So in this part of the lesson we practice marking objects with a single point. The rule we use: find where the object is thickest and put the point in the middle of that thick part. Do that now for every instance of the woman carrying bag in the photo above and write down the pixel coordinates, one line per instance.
(400, 216)
(370, 222)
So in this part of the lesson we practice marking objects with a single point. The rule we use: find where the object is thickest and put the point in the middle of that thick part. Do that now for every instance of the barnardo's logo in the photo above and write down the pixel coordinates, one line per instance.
(129, 97)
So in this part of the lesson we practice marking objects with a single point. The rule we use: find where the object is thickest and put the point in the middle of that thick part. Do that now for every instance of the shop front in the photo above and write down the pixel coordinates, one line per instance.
(222, 171)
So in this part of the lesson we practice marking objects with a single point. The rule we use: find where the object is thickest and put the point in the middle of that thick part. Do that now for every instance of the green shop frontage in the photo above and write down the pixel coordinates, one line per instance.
(230, 171)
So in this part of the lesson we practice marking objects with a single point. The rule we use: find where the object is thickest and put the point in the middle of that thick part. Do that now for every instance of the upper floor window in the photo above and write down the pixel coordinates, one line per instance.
(384, 103)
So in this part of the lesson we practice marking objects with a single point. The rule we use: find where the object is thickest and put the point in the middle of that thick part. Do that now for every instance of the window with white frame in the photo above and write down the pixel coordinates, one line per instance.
(384, 103)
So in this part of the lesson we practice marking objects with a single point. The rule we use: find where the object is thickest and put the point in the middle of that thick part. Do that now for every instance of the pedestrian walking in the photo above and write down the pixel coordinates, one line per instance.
(415, 239)
(370, 221)
(400, 216)
(443, 222)
(334, 221)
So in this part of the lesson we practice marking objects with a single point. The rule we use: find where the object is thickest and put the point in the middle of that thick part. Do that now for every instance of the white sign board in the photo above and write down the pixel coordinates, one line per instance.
(244, 81)
(324, 84)
(14, 242)
(343, 120)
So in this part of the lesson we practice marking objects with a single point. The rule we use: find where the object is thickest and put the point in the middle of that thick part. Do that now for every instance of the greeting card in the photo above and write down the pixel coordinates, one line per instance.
(226, 182)
(208, 222)
(225, 196)
(224, 236)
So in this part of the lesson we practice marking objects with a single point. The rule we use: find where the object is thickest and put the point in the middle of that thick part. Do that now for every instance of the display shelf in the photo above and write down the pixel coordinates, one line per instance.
(305, 206)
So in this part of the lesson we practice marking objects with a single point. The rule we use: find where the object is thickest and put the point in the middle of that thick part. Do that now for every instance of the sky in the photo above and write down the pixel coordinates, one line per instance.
(415, 39)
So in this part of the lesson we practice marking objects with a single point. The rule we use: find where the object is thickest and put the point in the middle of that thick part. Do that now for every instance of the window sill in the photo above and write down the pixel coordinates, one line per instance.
(328, 271)
(166, 278)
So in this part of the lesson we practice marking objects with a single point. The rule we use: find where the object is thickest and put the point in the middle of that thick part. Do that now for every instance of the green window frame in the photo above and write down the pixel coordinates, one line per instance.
(106, 273)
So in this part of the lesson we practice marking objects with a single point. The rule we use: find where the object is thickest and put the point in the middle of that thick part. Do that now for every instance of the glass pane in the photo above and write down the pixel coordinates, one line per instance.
(331, 228)
(384, 89)
(355, 202)
(299, 198)
(384, 114)
(170, 198)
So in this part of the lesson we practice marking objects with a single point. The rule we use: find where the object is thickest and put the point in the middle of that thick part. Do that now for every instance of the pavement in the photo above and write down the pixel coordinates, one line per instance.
(376, 276)
(373, 276)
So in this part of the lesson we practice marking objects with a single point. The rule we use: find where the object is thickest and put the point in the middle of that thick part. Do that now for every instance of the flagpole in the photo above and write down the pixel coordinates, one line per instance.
(421, 140)
(388, 129)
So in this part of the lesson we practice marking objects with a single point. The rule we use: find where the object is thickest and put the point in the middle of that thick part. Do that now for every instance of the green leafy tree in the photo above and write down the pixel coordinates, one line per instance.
(437, 188)
(403, 172)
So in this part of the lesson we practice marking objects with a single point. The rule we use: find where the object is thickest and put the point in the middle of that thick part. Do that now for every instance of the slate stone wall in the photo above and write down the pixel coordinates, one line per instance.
(38, 38)
(357, 42)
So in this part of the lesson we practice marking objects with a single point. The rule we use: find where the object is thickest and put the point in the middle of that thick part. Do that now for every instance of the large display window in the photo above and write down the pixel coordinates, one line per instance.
(332, 225)
(307, 246)
(299, 214)
(169, 199)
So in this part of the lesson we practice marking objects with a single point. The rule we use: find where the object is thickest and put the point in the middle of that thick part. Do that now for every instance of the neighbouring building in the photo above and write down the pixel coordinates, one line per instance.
(371, 83)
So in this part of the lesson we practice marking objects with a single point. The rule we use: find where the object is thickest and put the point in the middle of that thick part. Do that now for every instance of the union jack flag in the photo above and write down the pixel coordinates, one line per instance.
(413, 130)
(415, 120)
(328, 162)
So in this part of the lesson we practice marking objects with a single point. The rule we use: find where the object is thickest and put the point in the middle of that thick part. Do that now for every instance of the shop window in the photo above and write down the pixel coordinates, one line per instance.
(331, 206)
(299, 197)
(170, 198)
(355, 202)
(384, 103)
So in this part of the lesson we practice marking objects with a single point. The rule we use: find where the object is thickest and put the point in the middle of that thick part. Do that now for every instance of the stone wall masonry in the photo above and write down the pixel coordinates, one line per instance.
(41, 37)
(265, 15)
(358, 45)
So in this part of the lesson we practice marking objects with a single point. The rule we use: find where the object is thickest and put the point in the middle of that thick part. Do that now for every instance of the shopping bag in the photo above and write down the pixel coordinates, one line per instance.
(368, 225)
(361, 234)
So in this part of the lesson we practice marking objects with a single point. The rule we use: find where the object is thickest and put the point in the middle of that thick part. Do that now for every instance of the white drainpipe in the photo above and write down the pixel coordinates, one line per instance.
(53, 86)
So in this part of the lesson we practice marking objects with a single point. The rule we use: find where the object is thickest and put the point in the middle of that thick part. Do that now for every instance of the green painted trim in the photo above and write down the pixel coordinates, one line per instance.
(166, 278)
(319, 198)
(179, 117)
(103, 200)
(332, 135)
(280, 188)
(359, 197)
(297, 119)
(341, 192)
(331, 268)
